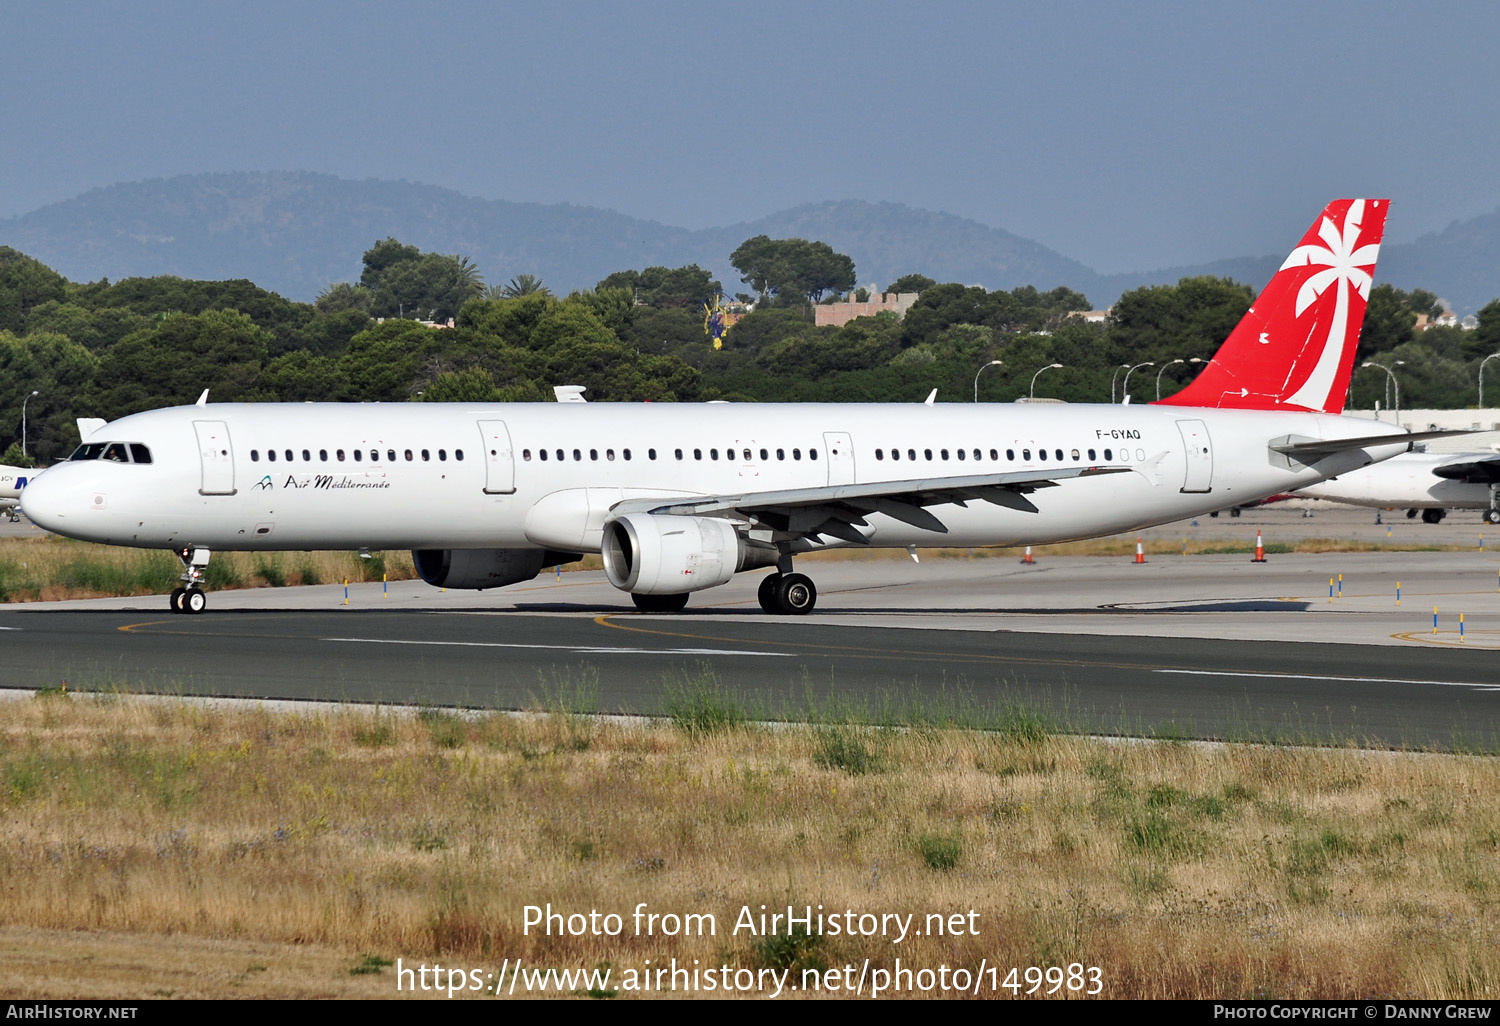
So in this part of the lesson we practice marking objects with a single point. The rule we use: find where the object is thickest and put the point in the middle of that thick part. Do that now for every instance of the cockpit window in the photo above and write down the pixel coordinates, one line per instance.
(114, 452)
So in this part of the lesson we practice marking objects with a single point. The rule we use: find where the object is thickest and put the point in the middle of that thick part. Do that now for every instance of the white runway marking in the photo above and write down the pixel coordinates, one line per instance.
(577, 649)
(1344, 680)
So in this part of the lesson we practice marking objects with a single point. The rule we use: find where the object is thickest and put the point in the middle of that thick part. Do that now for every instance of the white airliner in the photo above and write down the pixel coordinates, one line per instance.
(680, 497)
(1430, 482)
(12, 480)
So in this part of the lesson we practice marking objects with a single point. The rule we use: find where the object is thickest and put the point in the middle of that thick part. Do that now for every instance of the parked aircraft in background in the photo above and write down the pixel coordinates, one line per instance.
(1421, 481)
(679, 498)
(12, 480)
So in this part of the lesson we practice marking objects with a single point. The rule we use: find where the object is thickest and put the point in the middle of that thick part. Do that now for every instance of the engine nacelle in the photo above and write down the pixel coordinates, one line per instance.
(668, 555)
(484, 568)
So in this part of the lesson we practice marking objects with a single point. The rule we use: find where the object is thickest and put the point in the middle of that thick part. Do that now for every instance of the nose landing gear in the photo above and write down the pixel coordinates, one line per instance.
(191, 598)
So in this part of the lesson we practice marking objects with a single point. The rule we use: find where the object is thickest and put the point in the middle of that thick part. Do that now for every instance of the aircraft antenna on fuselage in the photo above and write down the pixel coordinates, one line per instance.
(202, 399)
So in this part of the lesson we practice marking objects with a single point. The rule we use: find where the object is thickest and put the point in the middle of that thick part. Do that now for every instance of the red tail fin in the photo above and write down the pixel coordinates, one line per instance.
(1295, 347)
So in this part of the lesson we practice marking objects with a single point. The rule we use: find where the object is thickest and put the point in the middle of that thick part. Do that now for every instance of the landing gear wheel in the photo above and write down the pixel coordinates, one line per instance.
(1492, 516)
(1411, 514)
(660, 603)
(1432, 516)
(766, 594)
(176, 599)
(796, 594)
(195, 601)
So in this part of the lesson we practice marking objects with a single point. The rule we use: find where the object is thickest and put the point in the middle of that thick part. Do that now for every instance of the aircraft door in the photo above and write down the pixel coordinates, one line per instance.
(1200, 456)
(499, 459)
(216, 456)
(838, 447)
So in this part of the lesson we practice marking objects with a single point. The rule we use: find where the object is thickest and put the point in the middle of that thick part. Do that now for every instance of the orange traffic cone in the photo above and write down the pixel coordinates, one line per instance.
(1140, 553)
(1260, 550)
(1027, 558)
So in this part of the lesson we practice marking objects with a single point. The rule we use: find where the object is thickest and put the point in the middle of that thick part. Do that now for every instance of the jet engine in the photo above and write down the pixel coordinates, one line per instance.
(484, 568)
(646, 554)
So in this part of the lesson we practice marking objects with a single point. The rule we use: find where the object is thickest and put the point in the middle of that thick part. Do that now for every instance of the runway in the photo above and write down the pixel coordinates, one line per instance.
(1200, 646)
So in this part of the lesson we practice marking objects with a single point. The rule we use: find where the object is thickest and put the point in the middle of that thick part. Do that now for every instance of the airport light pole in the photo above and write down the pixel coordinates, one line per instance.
(1038, 374)
(992, 363)
(1125, 389)
(1394, 383)
(1116, 377)
(1486, 360)
(23, 420)
(1161, 372)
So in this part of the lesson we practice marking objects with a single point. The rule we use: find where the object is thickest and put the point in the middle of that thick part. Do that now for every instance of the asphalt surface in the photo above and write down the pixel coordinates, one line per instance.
(1199, 646)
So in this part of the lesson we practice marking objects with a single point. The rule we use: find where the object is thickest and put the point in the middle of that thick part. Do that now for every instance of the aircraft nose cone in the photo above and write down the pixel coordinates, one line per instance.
(41, 501)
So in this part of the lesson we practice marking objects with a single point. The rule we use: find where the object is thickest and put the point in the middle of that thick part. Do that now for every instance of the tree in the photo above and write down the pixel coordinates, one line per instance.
(519, 287)
(792, 266)
(686, 288)
(911, 283)
(171, 362)
(405, 282)
(25, 284)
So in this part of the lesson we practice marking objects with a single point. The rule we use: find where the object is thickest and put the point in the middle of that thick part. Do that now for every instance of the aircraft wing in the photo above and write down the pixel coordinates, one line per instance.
(1480, 471)
(837, 510)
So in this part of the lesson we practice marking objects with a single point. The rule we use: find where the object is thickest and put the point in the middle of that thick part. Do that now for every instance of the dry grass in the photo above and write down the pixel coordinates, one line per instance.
(46, 568)
(1181, 870)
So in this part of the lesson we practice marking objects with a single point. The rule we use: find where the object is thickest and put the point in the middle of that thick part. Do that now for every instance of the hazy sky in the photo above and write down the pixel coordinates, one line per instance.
(1125, 135)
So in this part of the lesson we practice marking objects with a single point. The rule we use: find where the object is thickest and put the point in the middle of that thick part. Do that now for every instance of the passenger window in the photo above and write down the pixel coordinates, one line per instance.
(139, 453)
(961, 454)
(1026, 455)
(927, 453)
(358, 455)
(1140, 455)
(543, 454)
(895, 455)
(340, 455)
(525, 455)
(1010, 454)
(1075, 454)
(677, 453)
(796, 454)
(390, 455)
(812, 454)
(270, 454)
(1109, 455)
(979, 455)
(254, 454)
(1092, 457)
(609, 454)
(748, 457)
(289, 456)
(713, 454)
(626, 453)
(306, 456)
(577, 455)
(323, 455)
(442, 455)
(427, 456)
(763, 454)
(593, 454)
(651, 454)
(697, 454)
(408, 455)
(944, 454)
(781, 454)
(1059, 454)
(458, 454)
(374, 455)
(880, 454)
(1041, 454)
(911, 454)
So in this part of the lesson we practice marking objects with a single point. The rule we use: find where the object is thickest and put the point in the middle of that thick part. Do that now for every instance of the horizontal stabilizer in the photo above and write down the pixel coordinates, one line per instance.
(1316, 448)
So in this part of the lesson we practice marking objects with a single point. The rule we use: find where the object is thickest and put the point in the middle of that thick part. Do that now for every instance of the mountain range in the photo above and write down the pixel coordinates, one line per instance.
(297, 232)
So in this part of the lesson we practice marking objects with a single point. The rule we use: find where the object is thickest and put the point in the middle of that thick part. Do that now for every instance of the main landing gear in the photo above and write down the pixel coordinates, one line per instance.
(1433, 516)
(191, 598)
(787, 594)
